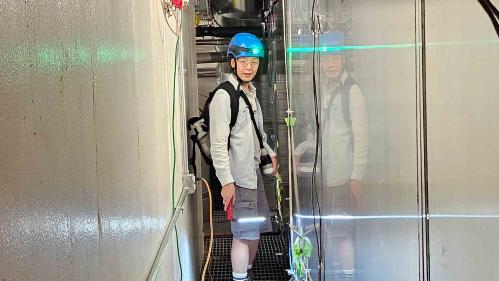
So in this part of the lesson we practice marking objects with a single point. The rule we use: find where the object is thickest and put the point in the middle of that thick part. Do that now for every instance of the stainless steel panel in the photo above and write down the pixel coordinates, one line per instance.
(379, 50)
(463, 141)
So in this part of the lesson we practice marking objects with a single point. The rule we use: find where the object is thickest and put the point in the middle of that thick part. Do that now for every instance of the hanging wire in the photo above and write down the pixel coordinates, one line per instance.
(315, 24)
(168, 12)
(175, 150)
(492, 12)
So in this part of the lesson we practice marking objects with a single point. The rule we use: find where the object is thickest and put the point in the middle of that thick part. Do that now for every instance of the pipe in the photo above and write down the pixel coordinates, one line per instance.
(211, 57)
(207, 75)
(207, 69)
(226, 32)
(212, 42)
(249, 7)
(161, 252)
(246, 6)
(207, 72)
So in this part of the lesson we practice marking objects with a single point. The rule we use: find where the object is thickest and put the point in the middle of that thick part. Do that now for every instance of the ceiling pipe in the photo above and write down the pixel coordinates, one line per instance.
(209, 42)
(226, 32)
(211, 57)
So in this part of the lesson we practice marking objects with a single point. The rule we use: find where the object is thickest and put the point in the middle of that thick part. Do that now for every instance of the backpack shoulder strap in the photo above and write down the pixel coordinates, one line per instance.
(345, 99)
(253, 120)
(234, 100)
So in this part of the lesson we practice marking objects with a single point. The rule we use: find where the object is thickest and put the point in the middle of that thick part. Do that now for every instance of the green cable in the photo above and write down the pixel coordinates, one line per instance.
(175, 152)
(178, 255)
(173, 130)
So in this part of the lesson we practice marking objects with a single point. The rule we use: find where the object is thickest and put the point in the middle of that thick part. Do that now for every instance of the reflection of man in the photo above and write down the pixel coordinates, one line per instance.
(344, 156)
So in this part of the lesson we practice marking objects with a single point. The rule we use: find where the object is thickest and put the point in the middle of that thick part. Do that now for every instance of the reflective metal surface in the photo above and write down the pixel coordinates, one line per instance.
(86, 167)
(463, 141)
(377, 154)
(430, 112)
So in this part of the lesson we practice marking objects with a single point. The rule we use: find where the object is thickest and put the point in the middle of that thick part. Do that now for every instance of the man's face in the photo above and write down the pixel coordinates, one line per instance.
(332, 65)
(247, 67)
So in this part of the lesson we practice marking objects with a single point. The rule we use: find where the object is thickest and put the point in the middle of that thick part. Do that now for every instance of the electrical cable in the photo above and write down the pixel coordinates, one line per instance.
(167, 14)
(315, 24)
(493, 8)
(170, 27)
(210, 247)
(177, 25)
(492, 12)
(488, 5)
(175, 150)
(177, 34)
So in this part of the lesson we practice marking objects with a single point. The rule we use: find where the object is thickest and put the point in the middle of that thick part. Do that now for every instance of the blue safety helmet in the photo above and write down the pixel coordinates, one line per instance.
(245, 45)
(334, 40)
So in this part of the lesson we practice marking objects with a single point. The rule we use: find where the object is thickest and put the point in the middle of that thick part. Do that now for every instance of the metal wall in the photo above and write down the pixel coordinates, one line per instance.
(432, 133)
(463, 141)
(86, 144)
(388, 241)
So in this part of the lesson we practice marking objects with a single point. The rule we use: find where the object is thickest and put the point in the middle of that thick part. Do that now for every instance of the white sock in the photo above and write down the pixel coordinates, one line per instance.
(239, 276)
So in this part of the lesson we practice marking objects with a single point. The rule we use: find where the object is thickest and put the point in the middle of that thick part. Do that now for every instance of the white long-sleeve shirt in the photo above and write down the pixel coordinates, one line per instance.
(344, 149)
(238, 163)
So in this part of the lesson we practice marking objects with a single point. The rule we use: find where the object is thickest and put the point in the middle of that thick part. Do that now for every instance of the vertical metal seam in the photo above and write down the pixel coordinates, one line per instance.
(418, 160)
(422, 141)
(425, 216)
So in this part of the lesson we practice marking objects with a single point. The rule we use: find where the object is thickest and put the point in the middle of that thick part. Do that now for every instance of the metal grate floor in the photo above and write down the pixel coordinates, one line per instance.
(270, 264)
(219, 217)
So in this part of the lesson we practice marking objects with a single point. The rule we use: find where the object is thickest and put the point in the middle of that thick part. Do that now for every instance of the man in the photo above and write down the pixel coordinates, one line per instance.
(344, 157)
(236, 154)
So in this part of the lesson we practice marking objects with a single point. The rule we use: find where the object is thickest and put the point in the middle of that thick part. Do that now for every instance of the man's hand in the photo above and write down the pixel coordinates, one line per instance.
(228, 192)
(275, 165)
(355, 187)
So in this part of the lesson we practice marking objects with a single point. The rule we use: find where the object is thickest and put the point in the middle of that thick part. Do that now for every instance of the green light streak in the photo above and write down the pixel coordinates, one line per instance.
(53, 56)
(347, 48)
(111, 54)
(384, 46)
(84, 57)
(49, 57)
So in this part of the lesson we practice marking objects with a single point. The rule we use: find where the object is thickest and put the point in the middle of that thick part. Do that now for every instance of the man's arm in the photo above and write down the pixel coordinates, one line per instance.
(219, 134)
(358, 115)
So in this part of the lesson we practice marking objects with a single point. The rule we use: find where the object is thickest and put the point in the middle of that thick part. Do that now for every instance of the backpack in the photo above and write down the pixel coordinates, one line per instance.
(199, 127)
(344, 91)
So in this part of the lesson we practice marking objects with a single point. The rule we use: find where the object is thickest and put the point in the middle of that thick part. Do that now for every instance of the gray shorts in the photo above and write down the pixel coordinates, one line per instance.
(337, 200)
(251, 212)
